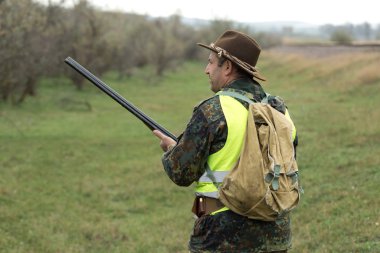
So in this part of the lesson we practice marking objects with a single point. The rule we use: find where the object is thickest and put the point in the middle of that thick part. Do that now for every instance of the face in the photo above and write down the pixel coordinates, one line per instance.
(215, 72)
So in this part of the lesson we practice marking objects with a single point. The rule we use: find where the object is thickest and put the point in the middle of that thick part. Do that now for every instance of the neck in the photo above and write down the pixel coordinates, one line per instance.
(227, 84)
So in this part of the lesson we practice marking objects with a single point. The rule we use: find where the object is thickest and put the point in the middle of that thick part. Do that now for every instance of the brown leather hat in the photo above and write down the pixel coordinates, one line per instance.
(238, 48)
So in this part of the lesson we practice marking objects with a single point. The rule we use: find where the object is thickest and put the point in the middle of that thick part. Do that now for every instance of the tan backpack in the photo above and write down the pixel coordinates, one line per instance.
(264, 183)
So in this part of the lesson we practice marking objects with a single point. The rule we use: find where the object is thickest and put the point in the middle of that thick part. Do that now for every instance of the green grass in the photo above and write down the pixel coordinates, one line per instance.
(80, 174)
(337, 119)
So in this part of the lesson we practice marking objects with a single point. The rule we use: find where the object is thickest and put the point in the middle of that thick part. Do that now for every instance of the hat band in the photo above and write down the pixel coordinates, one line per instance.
(247, 67)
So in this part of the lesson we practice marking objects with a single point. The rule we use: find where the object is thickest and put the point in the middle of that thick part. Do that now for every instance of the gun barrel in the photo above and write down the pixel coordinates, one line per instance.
(150, 123)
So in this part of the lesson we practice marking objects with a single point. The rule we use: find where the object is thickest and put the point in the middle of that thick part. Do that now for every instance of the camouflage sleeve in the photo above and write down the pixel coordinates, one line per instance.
(277, 103)
(185, 163)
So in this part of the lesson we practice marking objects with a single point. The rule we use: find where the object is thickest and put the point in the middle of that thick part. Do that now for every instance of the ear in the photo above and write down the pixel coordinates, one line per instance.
(228, 67)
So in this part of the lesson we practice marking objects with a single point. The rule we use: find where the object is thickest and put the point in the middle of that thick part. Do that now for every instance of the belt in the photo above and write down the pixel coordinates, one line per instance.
(205, 205)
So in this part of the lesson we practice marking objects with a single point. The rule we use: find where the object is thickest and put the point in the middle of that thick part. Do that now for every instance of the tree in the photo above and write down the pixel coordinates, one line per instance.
(20, 49)
(377, 32)
(84, 40)
(341, 37)
(166, 48)
(364, 31)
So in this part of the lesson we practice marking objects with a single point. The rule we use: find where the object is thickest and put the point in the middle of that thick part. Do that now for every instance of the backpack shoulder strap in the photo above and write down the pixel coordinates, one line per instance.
(265, 99)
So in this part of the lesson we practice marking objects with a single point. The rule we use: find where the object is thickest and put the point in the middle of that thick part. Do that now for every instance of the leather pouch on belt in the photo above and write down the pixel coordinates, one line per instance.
(199, 206)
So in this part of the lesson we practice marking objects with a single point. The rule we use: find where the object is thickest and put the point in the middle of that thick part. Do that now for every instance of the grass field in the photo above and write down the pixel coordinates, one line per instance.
(79, 174)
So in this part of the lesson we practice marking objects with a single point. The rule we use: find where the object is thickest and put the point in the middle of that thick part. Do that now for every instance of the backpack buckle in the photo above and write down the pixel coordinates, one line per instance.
(273, 178)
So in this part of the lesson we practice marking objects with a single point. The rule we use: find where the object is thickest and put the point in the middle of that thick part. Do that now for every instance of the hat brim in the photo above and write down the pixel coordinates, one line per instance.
(254, 74)
(207, 46)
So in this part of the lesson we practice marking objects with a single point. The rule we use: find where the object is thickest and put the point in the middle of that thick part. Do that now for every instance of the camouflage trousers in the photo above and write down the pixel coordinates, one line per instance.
(229, 232)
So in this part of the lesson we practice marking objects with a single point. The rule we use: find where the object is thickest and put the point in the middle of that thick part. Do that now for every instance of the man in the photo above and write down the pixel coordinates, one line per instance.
(212, 141)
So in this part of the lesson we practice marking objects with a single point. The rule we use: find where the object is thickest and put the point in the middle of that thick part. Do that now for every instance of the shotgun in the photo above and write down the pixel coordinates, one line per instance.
(150, 123)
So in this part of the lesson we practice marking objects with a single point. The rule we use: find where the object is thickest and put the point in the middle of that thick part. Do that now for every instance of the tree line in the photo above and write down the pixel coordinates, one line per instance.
(347, 33)
(36, 38)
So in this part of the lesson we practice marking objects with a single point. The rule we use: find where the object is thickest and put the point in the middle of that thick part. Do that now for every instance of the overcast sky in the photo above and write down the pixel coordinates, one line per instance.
(308, 11)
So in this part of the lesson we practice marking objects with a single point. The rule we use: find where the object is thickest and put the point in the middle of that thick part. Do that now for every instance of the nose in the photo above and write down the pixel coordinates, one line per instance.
(206, 70)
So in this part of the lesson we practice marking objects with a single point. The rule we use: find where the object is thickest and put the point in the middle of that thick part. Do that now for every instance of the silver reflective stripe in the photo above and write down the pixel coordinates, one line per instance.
(242, 97)
(214, 195)
(236, 95)
(218, 177)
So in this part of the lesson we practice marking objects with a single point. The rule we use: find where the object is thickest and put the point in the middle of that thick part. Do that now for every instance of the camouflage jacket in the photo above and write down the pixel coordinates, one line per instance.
(204, 135)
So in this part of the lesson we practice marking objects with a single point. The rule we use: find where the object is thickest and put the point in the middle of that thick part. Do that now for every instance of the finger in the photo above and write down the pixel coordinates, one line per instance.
(158, 134)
